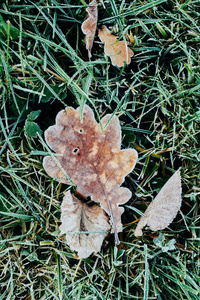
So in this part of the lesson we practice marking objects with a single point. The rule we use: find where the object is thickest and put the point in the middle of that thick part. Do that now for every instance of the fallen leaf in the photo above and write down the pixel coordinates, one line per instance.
(92, 159)
(161, 212)
(85, 227)
(117, 50)
(89, 26)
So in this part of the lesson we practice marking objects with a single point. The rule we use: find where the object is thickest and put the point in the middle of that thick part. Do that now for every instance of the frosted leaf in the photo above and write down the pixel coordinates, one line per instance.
(118, 51)
(89, 26)
(85, 227)
(92, 159)
(161, 212)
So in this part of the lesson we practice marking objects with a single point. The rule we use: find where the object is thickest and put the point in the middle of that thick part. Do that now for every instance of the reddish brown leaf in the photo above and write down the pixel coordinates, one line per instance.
(92, 159)
(161, 212)
(117, 50)
(89, 26)
(85, 227)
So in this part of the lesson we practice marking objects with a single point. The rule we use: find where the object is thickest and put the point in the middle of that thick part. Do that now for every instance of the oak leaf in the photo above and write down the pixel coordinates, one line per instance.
(89, 26)
(117, 50)
(85, 227)
(92, 159)
(161, 212)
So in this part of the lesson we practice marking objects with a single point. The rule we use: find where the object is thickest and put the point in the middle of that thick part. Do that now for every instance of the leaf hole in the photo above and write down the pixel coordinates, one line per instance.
(75, 150)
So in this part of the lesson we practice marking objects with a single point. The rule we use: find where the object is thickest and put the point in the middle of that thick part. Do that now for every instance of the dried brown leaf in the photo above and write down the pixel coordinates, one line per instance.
(92, 159)
(117, 50)
(85, 227)
(161, 212)
(89, 26)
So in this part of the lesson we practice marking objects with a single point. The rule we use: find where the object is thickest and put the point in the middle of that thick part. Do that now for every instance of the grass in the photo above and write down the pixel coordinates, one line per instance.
(43, 68)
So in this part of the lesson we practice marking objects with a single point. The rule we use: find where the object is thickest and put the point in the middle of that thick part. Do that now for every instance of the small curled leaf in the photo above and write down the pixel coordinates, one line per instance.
(85, 227)
(89, 26)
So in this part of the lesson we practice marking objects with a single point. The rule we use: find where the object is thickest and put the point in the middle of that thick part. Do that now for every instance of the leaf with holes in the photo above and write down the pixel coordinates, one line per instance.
(161, 212)
(118, 51)
(92, 159)
(85, 227)
(89, 26)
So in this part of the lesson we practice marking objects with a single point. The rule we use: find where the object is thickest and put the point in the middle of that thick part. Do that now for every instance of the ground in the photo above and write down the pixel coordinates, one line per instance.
(44, 67)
